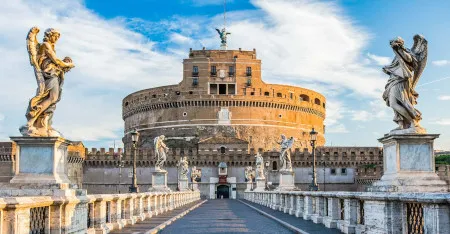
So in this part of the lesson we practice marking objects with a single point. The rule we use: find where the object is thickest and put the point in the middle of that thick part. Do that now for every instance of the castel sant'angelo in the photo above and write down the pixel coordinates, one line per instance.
(222, 94)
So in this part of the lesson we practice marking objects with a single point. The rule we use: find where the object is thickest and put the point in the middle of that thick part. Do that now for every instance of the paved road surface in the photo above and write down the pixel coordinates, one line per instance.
(225, 216)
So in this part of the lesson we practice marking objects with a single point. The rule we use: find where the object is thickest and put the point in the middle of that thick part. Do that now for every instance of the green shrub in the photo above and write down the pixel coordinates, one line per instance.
(443, 159)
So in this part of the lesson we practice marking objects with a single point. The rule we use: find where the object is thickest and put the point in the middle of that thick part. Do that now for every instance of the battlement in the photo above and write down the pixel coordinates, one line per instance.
(225, 54)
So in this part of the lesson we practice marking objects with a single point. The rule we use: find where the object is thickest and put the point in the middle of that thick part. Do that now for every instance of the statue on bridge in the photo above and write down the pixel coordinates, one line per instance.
(49, 73)
(249, 174)
(404, 73)
(184, 164)
(285, 153)
(160, 152)
(259, 166)
(195, 174)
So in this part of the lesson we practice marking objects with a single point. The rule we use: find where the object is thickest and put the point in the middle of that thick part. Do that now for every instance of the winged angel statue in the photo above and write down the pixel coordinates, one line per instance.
(285, 153)
(49, 72)
(404, 73)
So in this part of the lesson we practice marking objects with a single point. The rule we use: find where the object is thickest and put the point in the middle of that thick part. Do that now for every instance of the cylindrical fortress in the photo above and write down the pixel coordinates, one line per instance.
(222, 94)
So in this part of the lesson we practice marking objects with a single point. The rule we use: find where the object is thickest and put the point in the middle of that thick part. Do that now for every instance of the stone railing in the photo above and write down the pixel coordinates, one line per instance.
(353, 212)
(87, 213)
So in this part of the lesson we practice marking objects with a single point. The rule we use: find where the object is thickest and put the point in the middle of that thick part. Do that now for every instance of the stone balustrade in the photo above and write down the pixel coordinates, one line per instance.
(86, 213)
(363, 212)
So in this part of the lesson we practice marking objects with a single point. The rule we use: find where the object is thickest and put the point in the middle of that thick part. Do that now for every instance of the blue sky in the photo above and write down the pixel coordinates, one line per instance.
(334, 47)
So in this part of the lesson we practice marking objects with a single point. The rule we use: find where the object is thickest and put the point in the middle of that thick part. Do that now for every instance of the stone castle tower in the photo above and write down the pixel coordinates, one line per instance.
(223, 95)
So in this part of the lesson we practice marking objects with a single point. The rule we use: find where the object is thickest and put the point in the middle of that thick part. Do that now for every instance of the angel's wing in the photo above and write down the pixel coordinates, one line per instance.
(218, 31)
(33, 46)
(290, 142)
(420, 51)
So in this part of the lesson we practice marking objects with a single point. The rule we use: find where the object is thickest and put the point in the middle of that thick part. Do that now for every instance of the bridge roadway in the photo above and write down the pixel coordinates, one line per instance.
(229, 216)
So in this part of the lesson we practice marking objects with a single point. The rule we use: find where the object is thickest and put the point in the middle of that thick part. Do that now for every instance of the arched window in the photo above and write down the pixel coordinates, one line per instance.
(266, 94)
(274, 165)
(222, 149)
(304, 97)
(279, 95)
(317, 101)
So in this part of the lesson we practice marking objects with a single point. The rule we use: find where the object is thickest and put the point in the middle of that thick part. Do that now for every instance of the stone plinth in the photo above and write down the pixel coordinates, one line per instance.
(40, 169)
(286, 181)
(159, 182)
(195, 188)
(249, 186)
(409, 165)
(41, 160)
(260, 185)
(183, 184)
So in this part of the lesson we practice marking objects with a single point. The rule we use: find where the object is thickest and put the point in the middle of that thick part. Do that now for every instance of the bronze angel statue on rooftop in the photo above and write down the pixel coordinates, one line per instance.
(49, 73)
(404, 73)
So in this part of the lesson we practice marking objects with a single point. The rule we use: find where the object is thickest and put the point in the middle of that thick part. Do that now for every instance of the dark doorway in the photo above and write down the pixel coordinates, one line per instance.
(223, 190)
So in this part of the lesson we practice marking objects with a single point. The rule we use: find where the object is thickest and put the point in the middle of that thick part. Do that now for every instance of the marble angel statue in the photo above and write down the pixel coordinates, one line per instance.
(249, 174)
(160, 152)
(184, 168)
(404, 73)
(285, 153)
(49, 72)
(195, 174)
(259, 166)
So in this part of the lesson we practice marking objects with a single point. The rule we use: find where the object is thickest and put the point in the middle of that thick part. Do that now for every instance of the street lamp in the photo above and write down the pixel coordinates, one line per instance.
(134, 138)
(266, 173)
(313, 138)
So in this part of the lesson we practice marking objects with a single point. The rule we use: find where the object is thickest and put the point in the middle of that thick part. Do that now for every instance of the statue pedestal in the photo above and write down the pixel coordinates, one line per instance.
(249, 186)
(159, 182)
(409, 165)
(195, 186)
(183, 184)
(41, 168)
(260, 185)
(286, 181)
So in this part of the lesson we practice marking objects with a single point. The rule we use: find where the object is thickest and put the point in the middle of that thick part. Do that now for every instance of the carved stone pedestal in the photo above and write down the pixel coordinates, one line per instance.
(286, 181)
(183, 184)
(409, 165)
(159, 182)
(41, 168)
(260, 185)
(195, 186)
(249, 186)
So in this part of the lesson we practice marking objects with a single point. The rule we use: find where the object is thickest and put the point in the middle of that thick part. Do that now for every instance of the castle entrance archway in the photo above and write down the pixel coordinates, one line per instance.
(223, 190)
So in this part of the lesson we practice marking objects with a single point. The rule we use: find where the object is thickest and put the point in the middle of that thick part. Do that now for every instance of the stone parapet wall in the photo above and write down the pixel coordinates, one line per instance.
(355, 212)
(86, 213)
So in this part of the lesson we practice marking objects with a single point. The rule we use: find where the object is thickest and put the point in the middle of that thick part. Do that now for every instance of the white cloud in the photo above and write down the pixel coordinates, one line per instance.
(445, 122)
(440, 63)
(379, 60)
(444, 98)
(339, 128)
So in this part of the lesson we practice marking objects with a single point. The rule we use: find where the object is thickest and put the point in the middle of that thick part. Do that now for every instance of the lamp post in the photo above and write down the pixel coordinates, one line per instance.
(313, 137)
(266, 173)
(134, 138)
(121, 165)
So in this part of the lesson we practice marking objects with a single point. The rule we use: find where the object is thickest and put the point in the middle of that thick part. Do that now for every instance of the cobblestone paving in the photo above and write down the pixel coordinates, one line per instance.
(305, 225)
(225, 216)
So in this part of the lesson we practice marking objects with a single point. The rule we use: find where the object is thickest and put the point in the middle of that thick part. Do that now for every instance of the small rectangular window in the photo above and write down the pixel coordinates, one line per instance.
(333, 171)
(231, 71)
(344, 171)
(291, 95)
(195, 71)
(222, 88)
(231, 89)
(213, 71)
(249, 71)
(212, 88)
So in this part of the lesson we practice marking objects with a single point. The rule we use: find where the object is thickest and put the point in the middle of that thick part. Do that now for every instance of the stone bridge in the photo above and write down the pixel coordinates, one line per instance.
(260, 212)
